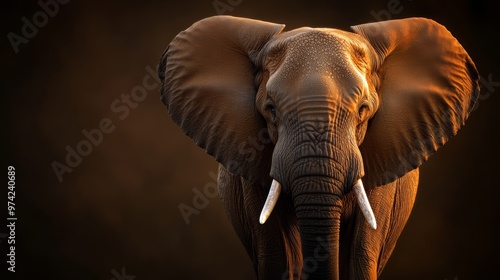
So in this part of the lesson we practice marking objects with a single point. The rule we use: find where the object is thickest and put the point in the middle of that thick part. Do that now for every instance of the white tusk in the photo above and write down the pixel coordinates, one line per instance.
(272, 198)
(364, 204)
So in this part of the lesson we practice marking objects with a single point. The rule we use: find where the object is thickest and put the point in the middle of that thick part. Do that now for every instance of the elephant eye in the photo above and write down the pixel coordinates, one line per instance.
(272, 110)
(363, 111)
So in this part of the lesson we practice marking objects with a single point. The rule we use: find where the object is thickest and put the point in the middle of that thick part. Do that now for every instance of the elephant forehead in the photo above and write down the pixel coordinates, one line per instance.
(318, 50)
(318, 61)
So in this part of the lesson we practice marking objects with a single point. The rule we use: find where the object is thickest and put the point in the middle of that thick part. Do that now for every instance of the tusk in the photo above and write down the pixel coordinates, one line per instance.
(272, 198)
(364, 204)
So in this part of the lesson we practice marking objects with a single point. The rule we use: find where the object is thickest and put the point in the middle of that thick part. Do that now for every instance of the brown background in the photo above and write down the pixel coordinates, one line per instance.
(119, 207)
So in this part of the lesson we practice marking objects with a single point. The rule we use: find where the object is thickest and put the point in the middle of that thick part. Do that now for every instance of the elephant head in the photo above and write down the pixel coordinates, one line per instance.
(311, 111)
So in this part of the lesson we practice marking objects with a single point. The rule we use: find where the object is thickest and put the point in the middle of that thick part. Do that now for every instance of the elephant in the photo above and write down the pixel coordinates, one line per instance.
(319, 132)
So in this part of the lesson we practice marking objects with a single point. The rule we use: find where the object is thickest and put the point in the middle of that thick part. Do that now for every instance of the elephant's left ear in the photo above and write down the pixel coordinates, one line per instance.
(427, 85)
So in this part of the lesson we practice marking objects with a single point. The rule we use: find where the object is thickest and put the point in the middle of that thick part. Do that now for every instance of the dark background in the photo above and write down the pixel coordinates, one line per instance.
(117, 214)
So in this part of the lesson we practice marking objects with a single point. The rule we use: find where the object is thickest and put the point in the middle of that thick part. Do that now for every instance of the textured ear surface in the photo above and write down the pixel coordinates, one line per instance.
(208, 86)
(427, 85)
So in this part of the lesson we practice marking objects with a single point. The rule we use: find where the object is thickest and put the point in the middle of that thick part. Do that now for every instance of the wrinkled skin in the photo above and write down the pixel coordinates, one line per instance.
(316, 110)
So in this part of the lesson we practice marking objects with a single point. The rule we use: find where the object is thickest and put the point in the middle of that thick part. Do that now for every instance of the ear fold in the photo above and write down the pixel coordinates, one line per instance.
(427, 85)
(208, 86)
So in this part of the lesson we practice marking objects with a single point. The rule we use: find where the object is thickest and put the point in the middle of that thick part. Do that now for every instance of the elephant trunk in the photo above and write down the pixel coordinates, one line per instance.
(318, 211)
(316, 169)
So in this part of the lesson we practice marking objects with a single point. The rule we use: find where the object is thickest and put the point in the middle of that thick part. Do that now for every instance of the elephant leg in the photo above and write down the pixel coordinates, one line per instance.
(274, 247)
(369, 249)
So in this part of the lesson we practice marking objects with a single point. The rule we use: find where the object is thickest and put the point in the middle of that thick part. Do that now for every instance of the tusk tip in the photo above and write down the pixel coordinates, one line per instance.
(263, 218)
(364, 204)
(271, 200)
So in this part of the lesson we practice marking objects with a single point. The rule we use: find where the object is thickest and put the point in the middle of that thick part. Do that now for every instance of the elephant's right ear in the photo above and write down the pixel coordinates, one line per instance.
(208, 86)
